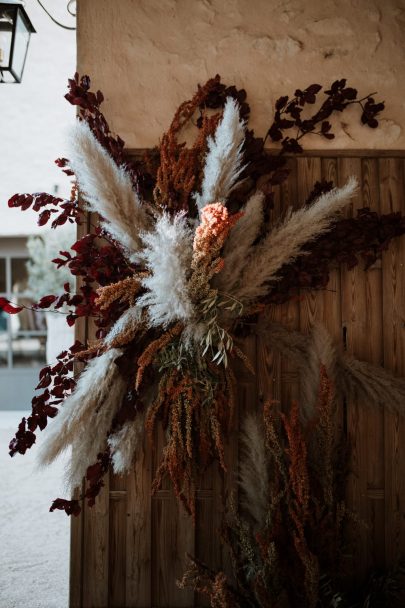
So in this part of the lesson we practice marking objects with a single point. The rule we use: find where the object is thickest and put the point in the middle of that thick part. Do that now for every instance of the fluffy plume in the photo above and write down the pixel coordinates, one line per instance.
(125, 327)
(167, 254)
(254, 477)
(321, 350)
(86, 416)
(223, 163)
(107, 189)
(238, 245)
(371, 383)
(285, 242)
(125, 443)
(352, 378)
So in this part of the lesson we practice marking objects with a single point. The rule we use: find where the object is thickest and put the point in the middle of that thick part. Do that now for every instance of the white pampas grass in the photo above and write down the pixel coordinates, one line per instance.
(351, 378)
(86, 416)
(238, 245)
(124, 445)
(285, 242)
(321, 350)
(223, 163)
(254, 475)
(167, 255)
(107, 189)
(128, 322)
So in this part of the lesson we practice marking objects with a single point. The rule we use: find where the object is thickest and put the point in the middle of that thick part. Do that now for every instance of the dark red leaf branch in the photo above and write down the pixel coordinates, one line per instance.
(95, 482)
(288, 114)
(47, 206)
(57, 382)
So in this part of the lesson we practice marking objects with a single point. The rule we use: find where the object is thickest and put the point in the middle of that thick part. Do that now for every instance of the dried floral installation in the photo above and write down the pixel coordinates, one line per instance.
(288, 541)
(180, 253)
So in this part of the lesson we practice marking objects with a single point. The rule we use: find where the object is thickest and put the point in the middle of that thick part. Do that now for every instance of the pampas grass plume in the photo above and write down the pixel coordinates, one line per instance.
(86, 416)
(223, 163)
(284, 243)
(107, 189)
(254, 476)
(238, 245)
(124, 444)
(167, 254)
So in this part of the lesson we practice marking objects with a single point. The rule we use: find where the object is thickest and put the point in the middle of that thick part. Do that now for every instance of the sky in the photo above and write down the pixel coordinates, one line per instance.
(35, 117)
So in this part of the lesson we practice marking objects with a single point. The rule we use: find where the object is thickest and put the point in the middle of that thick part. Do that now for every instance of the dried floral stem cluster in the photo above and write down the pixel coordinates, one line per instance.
(289, 532)
(182, 255)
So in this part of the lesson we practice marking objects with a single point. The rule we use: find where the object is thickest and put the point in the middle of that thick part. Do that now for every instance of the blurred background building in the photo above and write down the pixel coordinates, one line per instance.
(34, 120)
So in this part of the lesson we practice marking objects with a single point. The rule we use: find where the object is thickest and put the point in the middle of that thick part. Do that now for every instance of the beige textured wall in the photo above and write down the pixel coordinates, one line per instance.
(148, 55)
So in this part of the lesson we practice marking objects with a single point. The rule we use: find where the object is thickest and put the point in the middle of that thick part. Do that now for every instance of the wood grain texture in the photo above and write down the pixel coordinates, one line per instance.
(356, 324)
(77, 523)
(128, 551)
(139, 531)
(392, 199)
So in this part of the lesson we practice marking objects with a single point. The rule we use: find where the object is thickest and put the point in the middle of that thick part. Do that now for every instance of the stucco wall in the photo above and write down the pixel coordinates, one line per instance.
(148, 55)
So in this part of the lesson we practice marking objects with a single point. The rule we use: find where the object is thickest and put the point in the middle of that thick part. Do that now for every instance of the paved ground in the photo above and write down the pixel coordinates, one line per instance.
(34, 544)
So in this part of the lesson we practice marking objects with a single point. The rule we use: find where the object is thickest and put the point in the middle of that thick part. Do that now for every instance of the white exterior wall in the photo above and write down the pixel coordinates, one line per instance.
(35, 116)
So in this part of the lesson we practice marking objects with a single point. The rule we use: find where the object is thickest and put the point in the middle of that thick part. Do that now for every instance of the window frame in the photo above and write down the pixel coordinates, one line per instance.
(9, 295)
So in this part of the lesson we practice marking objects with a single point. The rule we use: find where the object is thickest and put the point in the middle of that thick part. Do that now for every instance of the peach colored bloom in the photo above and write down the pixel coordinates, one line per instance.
(214, 228)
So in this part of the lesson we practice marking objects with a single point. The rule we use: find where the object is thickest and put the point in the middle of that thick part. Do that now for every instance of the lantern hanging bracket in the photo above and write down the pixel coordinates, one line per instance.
(65, 27)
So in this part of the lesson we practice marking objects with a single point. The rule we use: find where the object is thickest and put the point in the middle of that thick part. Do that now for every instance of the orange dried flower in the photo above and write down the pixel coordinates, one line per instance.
(216, 222)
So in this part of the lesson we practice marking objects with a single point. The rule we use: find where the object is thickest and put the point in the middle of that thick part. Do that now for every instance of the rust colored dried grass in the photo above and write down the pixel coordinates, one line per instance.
(195, 430)
(124, 291)
(153, 348)
(179, 166)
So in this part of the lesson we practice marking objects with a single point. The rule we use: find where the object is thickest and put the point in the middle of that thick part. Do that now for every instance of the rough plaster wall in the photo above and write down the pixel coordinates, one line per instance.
(148, 55)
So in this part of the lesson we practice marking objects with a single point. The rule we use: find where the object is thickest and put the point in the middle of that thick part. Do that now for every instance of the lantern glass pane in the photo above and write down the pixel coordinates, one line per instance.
(22, 37)
(7, 17)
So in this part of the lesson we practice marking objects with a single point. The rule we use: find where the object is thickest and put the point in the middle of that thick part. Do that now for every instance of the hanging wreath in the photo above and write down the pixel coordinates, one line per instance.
(180, 256)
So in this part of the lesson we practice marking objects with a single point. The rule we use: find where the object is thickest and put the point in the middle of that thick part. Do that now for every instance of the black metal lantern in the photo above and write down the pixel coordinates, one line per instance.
(15, 33)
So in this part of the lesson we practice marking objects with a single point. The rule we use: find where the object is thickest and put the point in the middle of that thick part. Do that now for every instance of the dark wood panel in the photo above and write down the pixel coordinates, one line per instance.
(129, 549)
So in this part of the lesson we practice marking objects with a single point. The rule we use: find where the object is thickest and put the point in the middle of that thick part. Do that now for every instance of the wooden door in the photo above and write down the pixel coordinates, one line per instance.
(129, 549)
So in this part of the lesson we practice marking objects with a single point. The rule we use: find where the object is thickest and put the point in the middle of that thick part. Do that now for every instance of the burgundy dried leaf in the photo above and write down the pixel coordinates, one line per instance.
(9, 308)
(71, 507)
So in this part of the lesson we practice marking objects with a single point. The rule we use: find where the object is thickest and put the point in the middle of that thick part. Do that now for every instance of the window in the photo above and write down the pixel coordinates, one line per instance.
(22, 336)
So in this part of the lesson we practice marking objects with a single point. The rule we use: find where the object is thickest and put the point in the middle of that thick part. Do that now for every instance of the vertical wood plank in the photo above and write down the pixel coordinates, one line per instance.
(139, 531)
(95, 552)
(76, 559)
(117, 541)
(96, 535)
(374, 421)
(357, 324)
(173, 536)
(331, 316)
(311, 303)
(289, 312)
(77, 523)
(392, 199)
